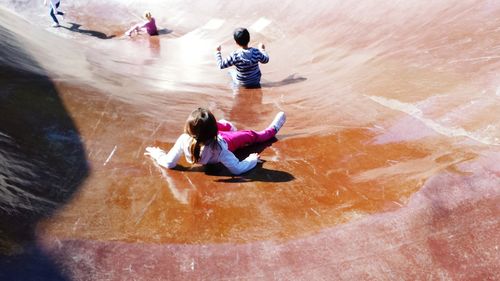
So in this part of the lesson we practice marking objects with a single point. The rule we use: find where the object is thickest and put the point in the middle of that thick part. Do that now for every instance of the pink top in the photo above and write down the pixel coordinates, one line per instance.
(151, 27)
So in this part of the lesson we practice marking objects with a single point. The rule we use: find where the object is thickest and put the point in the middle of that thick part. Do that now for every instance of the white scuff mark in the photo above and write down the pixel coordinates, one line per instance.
(209, 212)
(479, 59)
(498, 91)
(110, 155)
(260, 24)
(59, 243)
(190, 182)
(129, 268)
(102, 115)
(153, 198)
(311, 165)
(139, 150)
(143, 212)
(397, 203)
(187, 266)
(351, 127)
(416, 113)
(76, 224)
(314, 211)
(156, 129)
(392, 162)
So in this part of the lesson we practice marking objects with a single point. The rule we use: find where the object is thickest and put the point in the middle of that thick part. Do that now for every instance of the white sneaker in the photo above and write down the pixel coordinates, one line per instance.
(55, 25)
(278, 121)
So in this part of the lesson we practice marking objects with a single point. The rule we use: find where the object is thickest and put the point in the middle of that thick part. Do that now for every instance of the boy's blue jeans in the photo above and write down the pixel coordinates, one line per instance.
(52, 12)
(235, 83)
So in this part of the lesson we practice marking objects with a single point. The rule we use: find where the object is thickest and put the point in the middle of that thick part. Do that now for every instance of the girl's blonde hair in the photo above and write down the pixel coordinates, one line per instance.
(202, 127)
(147, 15)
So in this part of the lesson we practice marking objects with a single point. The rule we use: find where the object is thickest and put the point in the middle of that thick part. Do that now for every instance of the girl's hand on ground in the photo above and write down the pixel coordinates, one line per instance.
(253, 156)
(219, 48)
(154, 152)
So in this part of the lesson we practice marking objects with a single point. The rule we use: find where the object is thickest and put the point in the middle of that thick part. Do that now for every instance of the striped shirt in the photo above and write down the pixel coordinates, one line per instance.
(246, 62)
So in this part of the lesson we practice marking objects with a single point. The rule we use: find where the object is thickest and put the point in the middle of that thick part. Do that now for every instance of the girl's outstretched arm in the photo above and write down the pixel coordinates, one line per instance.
(170, 159)
(143, 25)
(236, 166)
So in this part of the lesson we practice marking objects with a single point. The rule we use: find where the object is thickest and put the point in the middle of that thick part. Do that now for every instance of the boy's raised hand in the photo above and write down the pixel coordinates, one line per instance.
(218, 48)
(261, 46)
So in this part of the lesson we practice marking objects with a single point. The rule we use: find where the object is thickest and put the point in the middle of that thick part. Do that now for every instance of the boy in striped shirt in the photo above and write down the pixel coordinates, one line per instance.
(246, 60)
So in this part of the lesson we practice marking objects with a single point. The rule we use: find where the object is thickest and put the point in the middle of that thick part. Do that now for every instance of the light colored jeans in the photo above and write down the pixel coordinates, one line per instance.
(235, 83)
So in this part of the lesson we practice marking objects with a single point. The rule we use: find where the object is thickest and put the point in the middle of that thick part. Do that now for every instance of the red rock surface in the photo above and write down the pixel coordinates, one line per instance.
(388, 167)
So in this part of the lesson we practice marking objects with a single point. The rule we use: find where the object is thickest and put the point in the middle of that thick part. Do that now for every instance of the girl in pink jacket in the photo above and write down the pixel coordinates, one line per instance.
(207, 141)
(149, 25)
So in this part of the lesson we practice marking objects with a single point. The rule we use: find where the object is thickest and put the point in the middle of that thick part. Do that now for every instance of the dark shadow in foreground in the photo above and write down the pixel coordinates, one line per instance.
(75, 27)
(259, 173)
(291, 79)
(42, 158)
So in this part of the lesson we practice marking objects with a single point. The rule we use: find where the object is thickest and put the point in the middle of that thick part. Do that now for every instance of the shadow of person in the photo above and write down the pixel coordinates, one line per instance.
(291, 79)
(164, 31)
(259, 173)
(43, 161)
(75, 27)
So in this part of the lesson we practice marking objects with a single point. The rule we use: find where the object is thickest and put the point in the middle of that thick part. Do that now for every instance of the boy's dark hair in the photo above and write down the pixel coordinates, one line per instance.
(241, 36)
